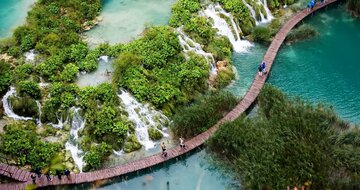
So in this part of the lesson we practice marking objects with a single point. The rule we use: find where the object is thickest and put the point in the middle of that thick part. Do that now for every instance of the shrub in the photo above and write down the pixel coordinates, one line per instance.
(5, 77)
(29, 88)
(20, 142)
(23, 72)
(24, 106)
(96, 156)
(202, 114)
(224, 77)
(302, 32)
(261, 34)
(131, 144)
(69, 73)
(303, 143)
(154, 134)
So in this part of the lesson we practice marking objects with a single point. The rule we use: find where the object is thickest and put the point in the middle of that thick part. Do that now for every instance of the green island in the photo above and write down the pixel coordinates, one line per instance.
(172, 81)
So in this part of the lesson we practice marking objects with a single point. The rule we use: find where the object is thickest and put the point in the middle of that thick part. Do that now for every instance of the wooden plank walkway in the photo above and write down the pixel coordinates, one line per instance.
(24, 176)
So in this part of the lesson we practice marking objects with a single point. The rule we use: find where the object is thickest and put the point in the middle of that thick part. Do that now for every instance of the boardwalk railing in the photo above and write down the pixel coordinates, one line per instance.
(191, 144)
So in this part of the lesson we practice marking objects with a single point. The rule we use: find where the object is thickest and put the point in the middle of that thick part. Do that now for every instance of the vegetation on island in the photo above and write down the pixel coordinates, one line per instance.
(290, 143)
(354, 7)
(302, 32)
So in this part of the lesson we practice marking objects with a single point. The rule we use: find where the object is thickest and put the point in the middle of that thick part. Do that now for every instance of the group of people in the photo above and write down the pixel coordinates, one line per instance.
(163, 147)
(59, 174)
(262, 69)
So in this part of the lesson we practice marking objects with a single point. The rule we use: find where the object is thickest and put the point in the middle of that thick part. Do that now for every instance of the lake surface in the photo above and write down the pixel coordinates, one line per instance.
(324, 68)
(12, 14)
(124, 20)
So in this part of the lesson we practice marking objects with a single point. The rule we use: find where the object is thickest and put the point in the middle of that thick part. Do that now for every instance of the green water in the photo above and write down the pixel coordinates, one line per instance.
(196, 171)
(12, 14)
(325, 68)
(124, 20)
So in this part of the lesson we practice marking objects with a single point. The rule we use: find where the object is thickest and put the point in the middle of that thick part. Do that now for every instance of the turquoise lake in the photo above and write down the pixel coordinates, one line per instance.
(12, 14)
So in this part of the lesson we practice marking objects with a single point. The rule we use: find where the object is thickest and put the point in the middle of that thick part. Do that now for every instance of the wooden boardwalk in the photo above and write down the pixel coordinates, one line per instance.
(24, 176)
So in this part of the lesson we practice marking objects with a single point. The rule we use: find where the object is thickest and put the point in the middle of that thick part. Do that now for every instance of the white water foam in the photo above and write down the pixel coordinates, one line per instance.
(269, 16)
(77, 124)
(143, 118)
(252, 11)
(8, 108)
(196, 48)
(214, 12)
(30, 56)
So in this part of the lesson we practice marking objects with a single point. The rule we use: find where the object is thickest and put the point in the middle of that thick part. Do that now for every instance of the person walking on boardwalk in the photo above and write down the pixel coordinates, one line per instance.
(263, 67)
(260, 70)
(33, 177)
(67, 173)
(163, 147)
(58, 173)
(47, 175)
(182, 145)
(38, 172)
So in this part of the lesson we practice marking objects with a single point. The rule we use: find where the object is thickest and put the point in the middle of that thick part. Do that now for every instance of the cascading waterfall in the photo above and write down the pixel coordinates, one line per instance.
(77, 124)
(252, 11)
(196, 48)
(143, 117)
(213, 11)
(38, 121)
(8, 108)
(30, 56)
(269, 16)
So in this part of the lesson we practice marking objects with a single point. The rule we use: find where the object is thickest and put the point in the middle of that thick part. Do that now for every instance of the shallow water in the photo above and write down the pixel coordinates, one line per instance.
(124, 20)
(196, 172)
(324, 68)
(12, 14)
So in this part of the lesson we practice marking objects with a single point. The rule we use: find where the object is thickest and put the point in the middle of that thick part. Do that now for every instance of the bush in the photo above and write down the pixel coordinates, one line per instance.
(303, 143)
(154, 134)
(302, 32)
(23, 72)
(224, 77)
(20, 142)
(24, 106)
(131, 144)
(29, 88)
(69, 73)
(261, 34)
(354, 6)
(5, 77)
(96, 156)
(202, 114)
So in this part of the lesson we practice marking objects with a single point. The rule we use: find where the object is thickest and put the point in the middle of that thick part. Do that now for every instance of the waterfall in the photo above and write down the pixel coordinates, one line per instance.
(30, 56)
(60, 123)
(8, 108)
(104, 58)
(196, 48)
(72, 145)
(252, 11)
(143, 117)
(269, 16)
(39, 110)
(213, 11)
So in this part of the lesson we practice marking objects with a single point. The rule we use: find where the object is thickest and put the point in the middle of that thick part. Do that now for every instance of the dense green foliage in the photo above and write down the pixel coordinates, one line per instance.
(5, 77)
(290, 142)
(131, 144)
(29, 88)
(302, 32)
(96, 156)
(203, 113)
(24, 106)
(21, 143)
(154, 134)
(182, 11)
(154, 70)
(261, 34)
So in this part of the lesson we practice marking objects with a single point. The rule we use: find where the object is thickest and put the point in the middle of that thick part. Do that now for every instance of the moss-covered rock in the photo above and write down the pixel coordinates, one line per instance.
(131, 144)
(24, 106)
(154, 134)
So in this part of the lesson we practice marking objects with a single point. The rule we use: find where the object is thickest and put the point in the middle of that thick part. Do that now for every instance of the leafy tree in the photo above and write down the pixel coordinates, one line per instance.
(69, 73)
(29, 88)
(5, 77)
(96, 156)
